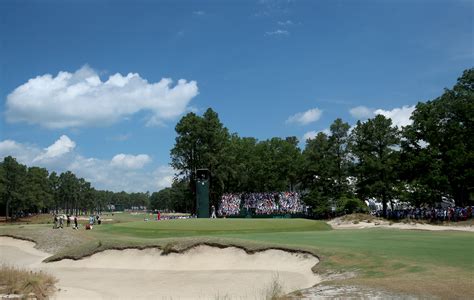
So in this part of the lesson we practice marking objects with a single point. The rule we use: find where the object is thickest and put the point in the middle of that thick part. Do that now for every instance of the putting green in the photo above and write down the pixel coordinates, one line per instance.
(198, 227)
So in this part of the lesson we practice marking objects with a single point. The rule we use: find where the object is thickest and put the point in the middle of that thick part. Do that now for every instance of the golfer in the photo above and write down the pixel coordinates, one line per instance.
(213, 214)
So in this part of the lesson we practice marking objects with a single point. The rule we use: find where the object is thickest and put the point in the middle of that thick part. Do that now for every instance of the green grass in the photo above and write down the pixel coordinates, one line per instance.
(428, 263)
(441, 247)
(212, 227)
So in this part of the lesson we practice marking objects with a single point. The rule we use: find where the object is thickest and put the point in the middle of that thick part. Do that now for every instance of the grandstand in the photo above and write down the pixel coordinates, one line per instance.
(276, 204)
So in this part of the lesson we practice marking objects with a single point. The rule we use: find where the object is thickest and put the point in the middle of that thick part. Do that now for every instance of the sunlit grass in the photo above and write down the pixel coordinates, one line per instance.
(23, 282)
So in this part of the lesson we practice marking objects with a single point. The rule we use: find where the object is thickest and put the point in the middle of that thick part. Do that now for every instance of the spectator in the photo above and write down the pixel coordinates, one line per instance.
(261, 203)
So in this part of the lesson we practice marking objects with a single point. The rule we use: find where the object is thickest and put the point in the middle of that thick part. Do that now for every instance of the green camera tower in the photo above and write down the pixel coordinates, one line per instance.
(202, 193)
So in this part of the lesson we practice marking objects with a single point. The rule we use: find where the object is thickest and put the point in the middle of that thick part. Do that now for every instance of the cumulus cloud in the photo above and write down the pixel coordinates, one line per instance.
(164, 176)
(103, 175)
(124, 172)
(22, 152)
(303, 118)
(82, 99)
(400, 116)
(129, 161)
(312, 134)
(62, 146)
(361, 112)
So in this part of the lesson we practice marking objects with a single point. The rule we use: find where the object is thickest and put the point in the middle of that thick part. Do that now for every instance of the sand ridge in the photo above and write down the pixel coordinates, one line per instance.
(201, 272)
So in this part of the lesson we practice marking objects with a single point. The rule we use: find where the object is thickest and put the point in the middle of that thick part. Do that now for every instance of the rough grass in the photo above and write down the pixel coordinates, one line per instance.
(274, 291)
(23, 282)
(35, 219)
(358, 217)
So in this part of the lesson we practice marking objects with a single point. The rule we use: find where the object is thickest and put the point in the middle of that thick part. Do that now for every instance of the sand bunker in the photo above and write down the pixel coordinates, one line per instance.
(202, 272)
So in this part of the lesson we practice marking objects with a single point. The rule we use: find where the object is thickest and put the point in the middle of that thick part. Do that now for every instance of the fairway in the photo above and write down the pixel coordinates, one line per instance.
(197, 227)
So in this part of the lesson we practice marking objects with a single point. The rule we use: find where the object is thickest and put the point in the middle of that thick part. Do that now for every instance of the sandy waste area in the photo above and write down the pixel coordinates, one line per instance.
(338, 223)
(202, 272)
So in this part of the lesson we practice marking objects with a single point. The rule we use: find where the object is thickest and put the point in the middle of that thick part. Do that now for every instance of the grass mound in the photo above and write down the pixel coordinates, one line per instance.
(23, 282)
(358, 217)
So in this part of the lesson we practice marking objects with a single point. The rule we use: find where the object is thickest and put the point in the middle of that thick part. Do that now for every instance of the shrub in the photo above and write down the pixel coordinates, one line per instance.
(351, 205)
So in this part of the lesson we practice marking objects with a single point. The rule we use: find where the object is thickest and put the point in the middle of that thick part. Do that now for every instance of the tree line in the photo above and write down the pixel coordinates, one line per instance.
(420, 163)
(25, 190)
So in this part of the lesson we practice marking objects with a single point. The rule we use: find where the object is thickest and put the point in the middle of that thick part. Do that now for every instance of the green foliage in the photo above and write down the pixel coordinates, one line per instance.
(14, 186)
(376, 158)
(38, 194)
(349, 205)
(176, 198)
(320, 203)
(236, 164)
(439, 147)
(34, 190)
(326, 168)
(201, 143)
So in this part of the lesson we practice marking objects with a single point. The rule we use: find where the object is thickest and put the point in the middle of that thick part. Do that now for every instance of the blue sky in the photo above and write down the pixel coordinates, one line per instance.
(269, 68)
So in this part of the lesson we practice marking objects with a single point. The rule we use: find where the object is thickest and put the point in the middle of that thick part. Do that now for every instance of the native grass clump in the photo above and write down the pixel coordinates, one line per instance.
(26, 283)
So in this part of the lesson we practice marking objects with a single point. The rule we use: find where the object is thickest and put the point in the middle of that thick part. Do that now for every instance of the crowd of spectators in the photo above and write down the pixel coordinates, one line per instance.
(261, 203)
(229, 205)
(291, 203)
(448, 214)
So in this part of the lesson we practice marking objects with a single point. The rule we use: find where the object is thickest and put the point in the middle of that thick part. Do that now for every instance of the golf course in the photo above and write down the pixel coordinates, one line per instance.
(405, 263)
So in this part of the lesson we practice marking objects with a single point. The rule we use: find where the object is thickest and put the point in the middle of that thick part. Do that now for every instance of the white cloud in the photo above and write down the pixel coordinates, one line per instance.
(102, 173)
(129, 161)
(22, 152)
(400, 116)
(303, 118)
(285, 23)
(164, 176)
(279, 32)
(199, 13)
(62, 146)
(312, 134)
(361, 112)
(83, 99)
